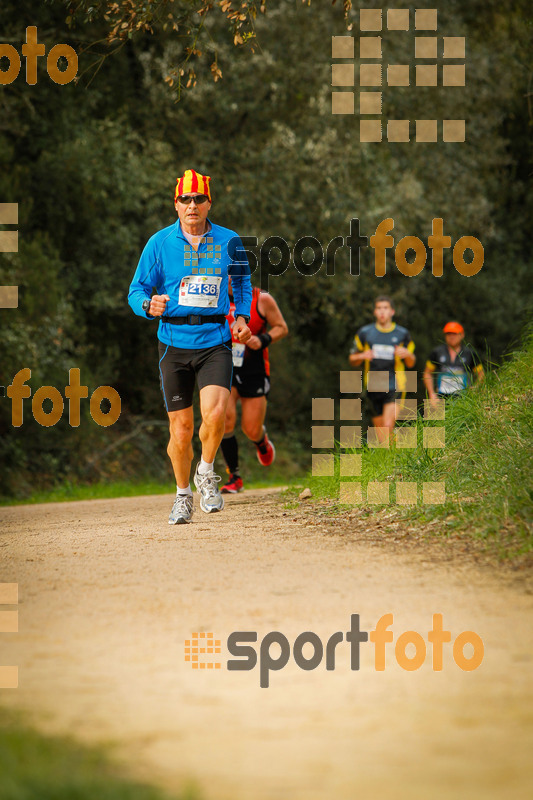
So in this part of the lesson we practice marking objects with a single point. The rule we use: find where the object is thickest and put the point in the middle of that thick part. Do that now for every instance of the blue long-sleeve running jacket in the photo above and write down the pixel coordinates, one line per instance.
(168, 258)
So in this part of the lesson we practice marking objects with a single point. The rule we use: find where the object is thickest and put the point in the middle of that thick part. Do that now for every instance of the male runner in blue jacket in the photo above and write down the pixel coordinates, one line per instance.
(188, 265)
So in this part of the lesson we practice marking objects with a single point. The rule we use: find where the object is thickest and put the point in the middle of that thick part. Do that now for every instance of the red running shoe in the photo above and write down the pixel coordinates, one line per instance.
(233, 486)
(266, 452)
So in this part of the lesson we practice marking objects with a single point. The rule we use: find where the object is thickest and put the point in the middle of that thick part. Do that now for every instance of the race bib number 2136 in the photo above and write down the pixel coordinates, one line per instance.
(200, 290)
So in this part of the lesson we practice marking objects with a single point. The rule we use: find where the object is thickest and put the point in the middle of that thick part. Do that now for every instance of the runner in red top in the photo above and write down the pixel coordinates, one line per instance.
(251, 384)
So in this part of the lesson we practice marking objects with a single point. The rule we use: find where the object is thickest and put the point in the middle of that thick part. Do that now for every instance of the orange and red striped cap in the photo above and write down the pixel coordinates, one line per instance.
(453, 327)
(192, 181)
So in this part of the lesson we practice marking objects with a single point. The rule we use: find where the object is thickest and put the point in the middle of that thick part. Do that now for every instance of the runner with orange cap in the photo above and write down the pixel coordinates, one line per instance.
(454, 365)
(188, 265)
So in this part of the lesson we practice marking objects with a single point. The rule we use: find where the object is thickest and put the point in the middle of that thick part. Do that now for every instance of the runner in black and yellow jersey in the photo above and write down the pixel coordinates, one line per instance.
(454, 365)
(384, 346)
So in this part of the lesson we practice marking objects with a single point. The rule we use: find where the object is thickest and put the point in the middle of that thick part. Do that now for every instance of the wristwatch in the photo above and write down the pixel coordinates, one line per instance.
(245, 317)
(145, 305)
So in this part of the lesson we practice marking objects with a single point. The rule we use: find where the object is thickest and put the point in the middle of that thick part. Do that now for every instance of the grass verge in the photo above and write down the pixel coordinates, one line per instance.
(37, 767)
(292, 458)
(485, 464)
(108, 490)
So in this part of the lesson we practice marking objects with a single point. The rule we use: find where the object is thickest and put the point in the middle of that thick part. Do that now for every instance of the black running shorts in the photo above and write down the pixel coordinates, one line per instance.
(179, 368)
(380, 399)
(251, 385)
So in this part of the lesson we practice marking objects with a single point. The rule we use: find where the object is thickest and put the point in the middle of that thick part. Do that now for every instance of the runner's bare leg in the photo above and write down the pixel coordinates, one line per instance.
(385, 422)
(231, 411)
(213, 403)
(180, 445)
(389, 417)
(253, 412)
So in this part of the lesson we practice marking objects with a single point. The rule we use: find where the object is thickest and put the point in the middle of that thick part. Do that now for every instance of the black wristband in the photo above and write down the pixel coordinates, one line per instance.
(265, 339)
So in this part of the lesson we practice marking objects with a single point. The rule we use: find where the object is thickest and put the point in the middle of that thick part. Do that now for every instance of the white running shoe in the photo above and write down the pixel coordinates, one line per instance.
(210, 497)
(182, 510)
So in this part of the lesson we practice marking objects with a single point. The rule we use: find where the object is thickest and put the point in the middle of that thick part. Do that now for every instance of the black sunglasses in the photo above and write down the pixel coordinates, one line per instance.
(198, 199)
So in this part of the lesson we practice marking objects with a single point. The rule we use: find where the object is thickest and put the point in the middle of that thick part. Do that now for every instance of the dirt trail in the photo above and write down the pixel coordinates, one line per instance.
(109, 593)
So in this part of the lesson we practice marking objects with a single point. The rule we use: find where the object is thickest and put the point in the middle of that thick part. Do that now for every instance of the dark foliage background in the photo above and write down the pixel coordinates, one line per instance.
(93, 165)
